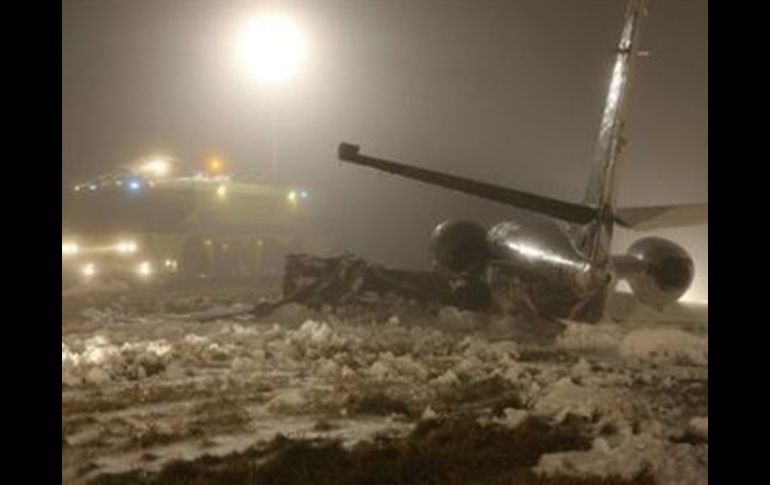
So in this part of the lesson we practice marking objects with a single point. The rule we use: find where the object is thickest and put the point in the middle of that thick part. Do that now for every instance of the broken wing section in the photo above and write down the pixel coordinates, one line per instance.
(565, 211)
(659, 217)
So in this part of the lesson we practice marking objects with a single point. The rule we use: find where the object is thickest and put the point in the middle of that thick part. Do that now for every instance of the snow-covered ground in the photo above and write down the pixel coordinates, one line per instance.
(143, 387)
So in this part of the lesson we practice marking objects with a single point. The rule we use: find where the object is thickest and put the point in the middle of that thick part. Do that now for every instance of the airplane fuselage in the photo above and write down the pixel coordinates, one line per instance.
(536, 261)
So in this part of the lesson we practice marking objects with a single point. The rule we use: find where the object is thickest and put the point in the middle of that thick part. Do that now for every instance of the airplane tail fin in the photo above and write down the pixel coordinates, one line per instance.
(601, 190)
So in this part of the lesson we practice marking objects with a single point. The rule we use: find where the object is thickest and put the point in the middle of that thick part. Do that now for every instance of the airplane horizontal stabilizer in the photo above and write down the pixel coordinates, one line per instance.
(659, 217)
(544, 205)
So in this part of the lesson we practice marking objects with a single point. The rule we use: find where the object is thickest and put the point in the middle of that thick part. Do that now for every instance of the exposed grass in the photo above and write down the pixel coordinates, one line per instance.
(87, 468)
(534, 353)
(133, 396)
(690, 438)
(152, 437)
(324, 425)
(148, 457)
(221, 414)
(378, 403)
(437, 451)
(72, 425)
(495, 393)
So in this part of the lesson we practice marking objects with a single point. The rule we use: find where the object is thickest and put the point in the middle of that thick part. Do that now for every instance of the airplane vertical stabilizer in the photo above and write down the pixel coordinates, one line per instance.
(601, 189)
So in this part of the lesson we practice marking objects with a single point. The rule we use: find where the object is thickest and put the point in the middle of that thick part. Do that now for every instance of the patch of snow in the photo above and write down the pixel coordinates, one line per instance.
(699, 427)
(666, 345)
(586, 337)
(448, 378)
(451, 318)
(669, 463)
(429, 413)
(291, 313)
(287, 401)
(564, 398)
(512, 417)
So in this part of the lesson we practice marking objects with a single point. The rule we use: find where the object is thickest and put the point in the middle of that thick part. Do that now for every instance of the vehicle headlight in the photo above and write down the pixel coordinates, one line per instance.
(222, 191)
(144, 268)
(69, 249)
(88, 270)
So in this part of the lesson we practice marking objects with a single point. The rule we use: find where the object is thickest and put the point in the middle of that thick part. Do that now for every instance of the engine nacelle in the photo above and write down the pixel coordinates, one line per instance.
(667, 272)
(459, 246)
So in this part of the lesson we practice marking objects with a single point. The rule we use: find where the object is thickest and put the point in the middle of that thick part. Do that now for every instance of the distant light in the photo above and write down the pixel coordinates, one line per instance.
(134, 185)
(69, 249)
(88, 270)
(144, 268)
(77, 188)
(222, 191)
(292, 196)
(272, 47)
(126, 247)
(93, 187)
(215, 166)
(303, 194)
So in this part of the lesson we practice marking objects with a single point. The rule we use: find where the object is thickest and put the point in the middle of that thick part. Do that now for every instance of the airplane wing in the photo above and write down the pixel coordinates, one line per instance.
(544, 205)
(658, 217)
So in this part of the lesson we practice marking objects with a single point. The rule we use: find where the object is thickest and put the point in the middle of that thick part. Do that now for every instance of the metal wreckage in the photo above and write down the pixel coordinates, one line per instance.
(334, 281)
(551, 260)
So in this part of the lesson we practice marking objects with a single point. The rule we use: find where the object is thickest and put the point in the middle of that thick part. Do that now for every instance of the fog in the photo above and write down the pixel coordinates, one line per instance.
(509, 92)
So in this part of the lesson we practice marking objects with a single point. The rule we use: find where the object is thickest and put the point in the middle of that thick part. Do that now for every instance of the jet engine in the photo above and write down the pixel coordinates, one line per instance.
(459, 246)
(665, 275)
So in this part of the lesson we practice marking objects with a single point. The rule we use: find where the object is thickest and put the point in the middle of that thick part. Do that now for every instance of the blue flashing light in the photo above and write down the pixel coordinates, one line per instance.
(134, 185)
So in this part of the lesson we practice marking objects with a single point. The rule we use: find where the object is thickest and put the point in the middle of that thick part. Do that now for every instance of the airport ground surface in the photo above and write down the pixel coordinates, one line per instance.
(172, 385)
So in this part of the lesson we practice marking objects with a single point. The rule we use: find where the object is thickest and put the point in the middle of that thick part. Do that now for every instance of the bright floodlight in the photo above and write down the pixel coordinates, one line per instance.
(272, 47)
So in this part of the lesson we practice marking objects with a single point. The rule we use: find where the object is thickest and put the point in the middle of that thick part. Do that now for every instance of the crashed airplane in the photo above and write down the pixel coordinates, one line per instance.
(553, 258)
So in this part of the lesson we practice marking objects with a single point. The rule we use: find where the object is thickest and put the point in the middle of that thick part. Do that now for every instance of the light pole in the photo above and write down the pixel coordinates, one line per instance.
(272, 48)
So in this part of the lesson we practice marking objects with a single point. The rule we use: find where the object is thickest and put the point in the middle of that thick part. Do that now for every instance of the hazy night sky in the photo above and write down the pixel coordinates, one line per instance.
(506, 91)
